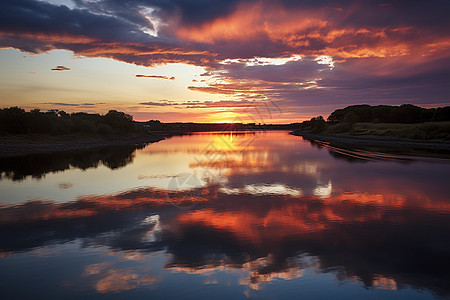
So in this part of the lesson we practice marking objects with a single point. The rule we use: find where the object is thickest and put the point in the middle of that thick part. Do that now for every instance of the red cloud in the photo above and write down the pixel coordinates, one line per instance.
(244, 30)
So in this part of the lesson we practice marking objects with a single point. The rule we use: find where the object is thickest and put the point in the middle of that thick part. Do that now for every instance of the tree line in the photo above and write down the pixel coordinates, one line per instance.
(15, 120)
(406, 114)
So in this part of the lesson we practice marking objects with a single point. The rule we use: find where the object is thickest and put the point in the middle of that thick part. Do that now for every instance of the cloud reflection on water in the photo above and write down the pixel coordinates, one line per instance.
(381, 224)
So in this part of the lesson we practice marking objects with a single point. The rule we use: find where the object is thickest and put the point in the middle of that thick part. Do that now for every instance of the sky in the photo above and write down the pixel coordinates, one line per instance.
(262, 61)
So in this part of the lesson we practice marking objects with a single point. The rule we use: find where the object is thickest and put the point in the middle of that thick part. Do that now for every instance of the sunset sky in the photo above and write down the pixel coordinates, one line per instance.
(267, 61)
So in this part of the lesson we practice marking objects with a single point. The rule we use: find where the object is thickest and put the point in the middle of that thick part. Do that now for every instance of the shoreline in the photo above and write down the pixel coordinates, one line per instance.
(14, 146)
(387, 143)
(22, 145)
(35, 144)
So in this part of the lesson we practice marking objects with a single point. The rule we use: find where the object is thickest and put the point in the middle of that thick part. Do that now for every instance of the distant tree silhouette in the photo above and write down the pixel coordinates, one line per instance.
(119, 120)
(343, 119)
(441, 114)
(15, 120)
(316, 124)
(406, 113)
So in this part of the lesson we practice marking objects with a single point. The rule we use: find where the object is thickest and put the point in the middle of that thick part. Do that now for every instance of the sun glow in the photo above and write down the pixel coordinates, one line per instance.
(225, 117)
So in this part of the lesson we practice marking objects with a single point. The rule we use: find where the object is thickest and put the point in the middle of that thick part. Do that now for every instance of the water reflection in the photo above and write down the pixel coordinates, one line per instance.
(264, 235)
(359, 153)
(37, 165)
(276, 214)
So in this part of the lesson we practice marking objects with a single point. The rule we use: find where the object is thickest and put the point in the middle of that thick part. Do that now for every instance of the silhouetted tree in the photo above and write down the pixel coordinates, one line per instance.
(351, 117)
(15, 120)
(442, 114)
(406, 113)
(119, 120)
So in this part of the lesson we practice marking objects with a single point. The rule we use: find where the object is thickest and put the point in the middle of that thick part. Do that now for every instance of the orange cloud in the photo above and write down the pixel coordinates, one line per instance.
(61, 38)
(94, 205)
(296, 217)
(117, 280)
(250, 22)
(256, 270)
(322, 31)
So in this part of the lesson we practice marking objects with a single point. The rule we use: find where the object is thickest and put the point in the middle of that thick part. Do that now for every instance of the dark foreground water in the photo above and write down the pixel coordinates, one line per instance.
(224, 216)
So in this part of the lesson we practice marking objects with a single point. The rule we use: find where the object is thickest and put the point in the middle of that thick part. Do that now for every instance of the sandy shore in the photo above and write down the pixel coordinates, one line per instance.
(17, 146)
(377, 141)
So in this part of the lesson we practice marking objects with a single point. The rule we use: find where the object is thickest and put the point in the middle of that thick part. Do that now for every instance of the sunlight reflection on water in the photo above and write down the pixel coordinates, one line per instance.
(262, 214)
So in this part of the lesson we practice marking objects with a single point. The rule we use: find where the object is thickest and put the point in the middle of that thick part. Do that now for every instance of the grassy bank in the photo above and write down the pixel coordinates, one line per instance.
(39, 143)
(420, 131)
(36, 132)
(397, 139)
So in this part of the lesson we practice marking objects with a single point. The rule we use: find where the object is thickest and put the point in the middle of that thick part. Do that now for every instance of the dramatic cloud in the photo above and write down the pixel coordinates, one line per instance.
(298, 53)
(155, 76)
(152, 32)
(60, 68)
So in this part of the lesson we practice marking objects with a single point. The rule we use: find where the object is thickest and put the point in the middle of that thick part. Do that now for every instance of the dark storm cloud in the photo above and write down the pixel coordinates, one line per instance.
(35, 17)
(393, 12)
(34, 26)
(120, 29)
(389, 12)
(190, 12)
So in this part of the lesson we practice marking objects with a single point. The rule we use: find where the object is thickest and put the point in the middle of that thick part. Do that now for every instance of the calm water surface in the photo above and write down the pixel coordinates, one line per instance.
(224, 215)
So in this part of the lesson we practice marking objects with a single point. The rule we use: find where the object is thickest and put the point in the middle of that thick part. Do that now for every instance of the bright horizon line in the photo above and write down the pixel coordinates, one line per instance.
(234, 118)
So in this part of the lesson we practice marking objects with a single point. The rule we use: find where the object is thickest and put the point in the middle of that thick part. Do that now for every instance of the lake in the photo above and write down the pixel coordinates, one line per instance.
(231, 215)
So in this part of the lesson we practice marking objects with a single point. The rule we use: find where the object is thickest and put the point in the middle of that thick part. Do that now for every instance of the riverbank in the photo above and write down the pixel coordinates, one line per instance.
(11, 145)
(28, 144)
(432, 148)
